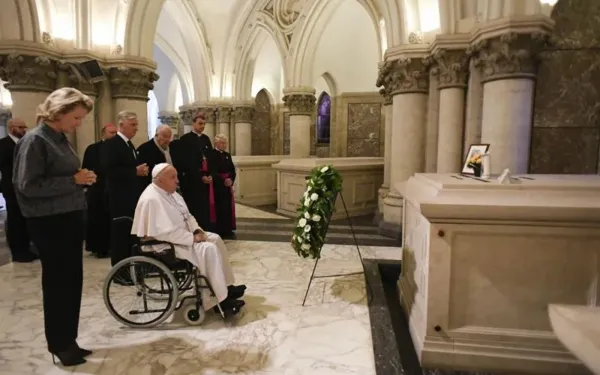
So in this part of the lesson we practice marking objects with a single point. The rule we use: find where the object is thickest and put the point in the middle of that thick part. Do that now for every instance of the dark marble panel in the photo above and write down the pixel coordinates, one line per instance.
(286, 133)
(261, 129)
(568, 89)
(577, 23)
(363, 147)
(565, 150)
(364, 120)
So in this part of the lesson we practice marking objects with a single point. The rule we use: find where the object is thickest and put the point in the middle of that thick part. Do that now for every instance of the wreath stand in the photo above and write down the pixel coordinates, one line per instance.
(312, 276)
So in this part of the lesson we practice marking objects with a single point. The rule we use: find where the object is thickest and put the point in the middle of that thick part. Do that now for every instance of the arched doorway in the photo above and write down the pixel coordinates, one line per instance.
(566, 120)
(323, 118)
(261, 130)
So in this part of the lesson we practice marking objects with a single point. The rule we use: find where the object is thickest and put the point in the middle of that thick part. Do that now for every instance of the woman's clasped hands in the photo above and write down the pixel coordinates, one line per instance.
(85, 177)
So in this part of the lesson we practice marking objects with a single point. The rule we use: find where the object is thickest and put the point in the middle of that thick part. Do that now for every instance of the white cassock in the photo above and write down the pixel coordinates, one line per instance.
(165, 217)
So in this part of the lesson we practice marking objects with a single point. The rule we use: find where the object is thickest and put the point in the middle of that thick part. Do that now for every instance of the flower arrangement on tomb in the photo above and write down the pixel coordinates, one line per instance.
(316, 206)
(475, 164)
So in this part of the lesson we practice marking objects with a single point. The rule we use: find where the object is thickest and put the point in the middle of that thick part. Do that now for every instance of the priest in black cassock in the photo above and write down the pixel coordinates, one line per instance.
(97, 235)
(155, 151)
(190, 158)
(223, 179)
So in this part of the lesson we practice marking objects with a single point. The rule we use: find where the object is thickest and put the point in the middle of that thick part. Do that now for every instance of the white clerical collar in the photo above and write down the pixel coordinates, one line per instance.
(123, 137)
(195, 132)
(15, 139)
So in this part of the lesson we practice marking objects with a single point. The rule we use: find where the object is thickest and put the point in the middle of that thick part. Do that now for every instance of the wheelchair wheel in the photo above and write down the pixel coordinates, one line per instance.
(145, 282)
(192, 316)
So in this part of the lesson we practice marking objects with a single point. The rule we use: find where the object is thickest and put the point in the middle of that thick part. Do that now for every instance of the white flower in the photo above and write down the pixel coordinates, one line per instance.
(308, 188)
(307, 228)
(305, 194)
(314, 196)
(302, 222)
(316, 218)
(299, 239)
(305, 246)
(324, 169)
(307, 215)
(307, 202)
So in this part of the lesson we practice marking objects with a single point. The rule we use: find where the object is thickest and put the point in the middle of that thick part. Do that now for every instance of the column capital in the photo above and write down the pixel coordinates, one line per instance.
(405, 75)
(451, 66)
(28, 73)
(300, 100)
(75, 81)
(5, 114)
(224, 114)
(186, 115)
(131, 83)
(508, 56)
(242, 113)
(168, 118)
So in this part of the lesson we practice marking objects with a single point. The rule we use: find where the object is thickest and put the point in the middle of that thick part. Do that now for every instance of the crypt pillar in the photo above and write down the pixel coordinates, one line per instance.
(407, 79)
(211, 118)
(224, 121)
(186, 115)
(242, 125)
(170, 118)
(473, 107)
(387, 149)
(452, 68)
(29, 79)
(85, 135)
(508, 66)
(129, 88)
(5, 115)
(301, 104)
(433, 118)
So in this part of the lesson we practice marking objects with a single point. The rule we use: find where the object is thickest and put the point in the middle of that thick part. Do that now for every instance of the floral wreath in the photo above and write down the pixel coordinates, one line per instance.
(316, 207)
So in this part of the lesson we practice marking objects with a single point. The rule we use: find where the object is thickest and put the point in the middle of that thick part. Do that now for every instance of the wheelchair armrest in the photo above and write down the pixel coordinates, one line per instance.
(150, 242)
(123, 218)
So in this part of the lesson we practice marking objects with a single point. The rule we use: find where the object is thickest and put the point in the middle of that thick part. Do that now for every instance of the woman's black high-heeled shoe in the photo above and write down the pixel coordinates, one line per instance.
(68, 358)
(82, 352)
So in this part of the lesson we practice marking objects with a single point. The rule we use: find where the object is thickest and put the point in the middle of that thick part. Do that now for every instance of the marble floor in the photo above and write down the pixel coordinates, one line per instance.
(273, 335)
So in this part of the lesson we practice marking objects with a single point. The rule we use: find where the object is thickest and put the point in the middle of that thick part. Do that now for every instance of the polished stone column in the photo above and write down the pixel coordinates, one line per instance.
(29, 79)
(387, 150)
(407, 79)
(508, 65)
(433, 118)
(242, 124)
(300, 102)
(224, 120)
(5, 115)
(170, 118)
(129, 87)
(452, 81)
(474, 106)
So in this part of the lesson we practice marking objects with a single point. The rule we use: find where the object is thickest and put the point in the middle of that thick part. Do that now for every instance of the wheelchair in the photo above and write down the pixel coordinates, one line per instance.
(158, 282)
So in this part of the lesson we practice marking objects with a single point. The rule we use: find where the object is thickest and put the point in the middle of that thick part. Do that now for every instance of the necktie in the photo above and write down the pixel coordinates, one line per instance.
(132, 147)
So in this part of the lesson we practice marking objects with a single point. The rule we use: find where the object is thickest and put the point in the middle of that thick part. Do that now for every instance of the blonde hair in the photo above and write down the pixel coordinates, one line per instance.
(221, 137)
(60, 102)
(124, 116)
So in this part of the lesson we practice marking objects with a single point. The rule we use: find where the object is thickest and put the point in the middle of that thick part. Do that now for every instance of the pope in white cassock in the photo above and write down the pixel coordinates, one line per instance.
(162, 214)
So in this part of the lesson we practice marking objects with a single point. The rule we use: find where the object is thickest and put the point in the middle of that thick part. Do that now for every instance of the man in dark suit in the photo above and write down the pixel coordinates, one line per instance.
(17, 235)
(124, 188)
(223, 179)
(98, 216)
(155, 151)
(195, 179)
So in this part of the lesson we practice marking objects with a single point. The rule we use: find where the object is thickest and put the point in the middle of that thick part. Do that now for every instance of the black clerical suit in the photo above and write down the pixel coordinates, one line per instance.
(97, 238)
(222, 169)
(189, 159)
(17, 234)
(124, 190)
(150, 154)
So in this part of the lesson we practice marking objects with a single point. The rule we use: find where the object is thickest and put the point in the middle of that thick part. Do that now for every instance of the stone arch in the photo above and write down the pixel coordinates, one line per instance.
(262, 128)
(262, 28)
(141, 27)
(308, 30)
(25, 13)
(566, 118)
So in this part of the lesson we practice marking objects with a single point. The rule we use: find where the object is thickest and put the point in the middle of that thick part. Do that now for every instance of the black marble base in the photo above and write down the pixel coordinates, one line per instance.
(391, 230)
(392, 344)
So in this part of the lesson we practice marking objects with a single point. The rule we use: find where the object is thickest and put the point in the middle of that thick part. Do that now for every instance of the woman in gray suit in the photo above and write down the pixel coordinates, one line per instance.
(49, 186)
